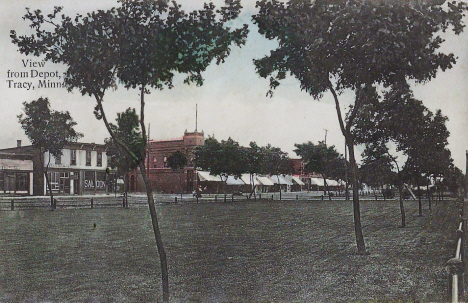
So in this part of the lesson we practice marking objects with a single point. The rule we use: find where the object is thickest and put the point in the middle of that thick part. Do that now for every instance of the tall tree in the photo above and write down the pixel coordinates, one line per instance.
(224, 159)
(275, 162)
(127, 130)
(178, 161)
(49, 131)
(321, 159)
(254, 160)
(376, 167)
(357, 45)
(421, 136)
(140, 44)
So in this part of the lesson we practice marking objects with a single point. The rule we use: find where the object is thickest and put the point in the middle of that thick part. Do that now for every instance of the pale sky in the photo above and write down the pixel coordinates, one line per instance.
(231, 103)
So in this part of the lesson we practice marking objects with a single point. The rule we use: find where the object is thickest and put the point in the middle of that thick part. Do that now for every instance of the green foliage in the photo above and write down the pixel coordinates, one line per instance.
(177, 160)
(416, 131)
(127, 130)
(322, 159)
(274, 161)
(228, 158)
(221, 158)
(140, 43)
(355, 42)
(47, 129)
(377, 165)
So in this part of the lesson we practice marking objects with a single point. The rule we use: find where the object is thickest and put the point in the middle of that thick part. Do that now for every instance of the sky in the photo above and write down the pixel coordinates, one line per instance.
(231, 103)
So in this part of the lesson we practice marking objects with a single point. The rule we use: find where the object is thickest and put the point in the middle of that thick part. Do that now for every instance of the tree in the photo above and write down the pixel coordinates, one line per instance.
(356, 45)
(225, 158)
(275, 162)
(254, 160)
(127, 130)
(376, 168)
(177, 161)
(140, 44)
(403, 120)
(49, 131)
(321, 159)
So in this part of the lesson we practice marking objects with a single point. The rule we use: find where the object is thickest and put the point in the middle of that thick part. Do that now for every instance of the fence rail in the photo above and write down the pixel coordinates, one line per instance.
(456, 266)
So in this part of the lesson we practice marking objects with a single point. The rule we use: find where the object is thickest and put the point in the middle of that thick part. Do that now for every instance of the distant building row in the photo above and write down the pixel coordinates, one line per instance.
(82, 169)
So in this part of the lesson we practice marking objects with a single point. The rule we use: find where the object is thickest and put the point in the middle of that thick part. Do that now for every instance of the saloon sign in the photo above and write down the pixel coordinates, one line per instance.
(94, 181)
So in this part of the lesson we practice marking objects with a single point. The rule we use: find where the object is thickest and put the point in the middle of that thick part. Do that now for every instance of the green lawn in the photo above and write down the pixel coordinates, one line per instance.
(234, 252)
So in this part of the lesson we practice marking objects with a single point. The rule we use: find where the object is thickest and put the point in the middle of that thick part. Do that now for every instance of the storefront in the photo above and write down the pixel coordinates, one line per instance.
(94, 182)
(16, 174)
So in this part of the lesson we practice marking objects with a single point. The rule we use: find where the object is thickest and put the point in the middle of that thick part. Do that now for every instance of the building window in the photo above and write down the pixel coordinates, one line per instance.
(155, 162)
(54, 179)
(165, 161)
(99, 159)
(58, 159)
(88, 158)
(22, 182)
(73, 157)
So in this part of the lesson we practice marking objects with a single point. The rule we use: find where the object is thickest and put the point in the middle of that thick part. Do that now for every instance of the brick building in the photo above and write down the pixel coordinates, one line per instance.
(163, 178)
(82, 169)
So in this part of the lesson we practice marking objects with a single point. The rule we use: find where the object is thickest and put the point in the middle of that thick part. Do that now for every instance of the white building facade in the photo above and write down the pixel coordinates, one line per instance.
(82, 169)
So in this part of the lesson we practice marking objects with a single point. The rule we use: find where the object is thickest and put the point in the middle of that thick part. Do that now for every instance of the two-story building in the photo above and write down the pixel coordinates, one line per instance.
(162, 177)
(81, 169)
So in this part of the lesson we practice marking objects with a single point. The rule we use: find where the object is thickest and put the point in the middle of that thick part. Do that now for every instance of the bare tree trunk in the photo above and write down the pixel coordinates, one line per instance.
(157, 233)
(361, 246)
(419, 199)
(428, 194)
(346, 131)
(402, 207)
(45, 170)
(152, 209)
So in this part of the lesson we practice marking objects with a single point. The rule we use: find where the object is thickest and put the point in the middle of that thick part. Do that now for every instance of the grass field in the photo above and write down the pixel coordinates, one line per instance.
(233, 252)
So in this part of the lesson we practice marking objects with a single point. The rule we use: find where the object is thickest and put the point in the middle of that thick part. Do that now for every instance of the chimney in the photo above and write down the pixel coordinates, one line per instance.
(18, 143)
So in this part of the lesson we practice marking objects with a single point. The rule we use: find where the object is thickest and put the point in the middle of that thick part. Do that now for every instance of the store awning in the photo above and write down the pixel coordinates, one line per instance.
(297, 180)
(266, 181)
(316, 181)
(231, 180)
(246, 179)
(278, 179)
(206, 176)
(319, 182)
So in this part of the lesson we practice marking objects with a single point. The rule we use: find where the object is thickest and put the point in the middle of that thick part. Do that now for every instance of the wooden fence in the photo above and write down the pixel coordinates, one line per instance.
(456, 266)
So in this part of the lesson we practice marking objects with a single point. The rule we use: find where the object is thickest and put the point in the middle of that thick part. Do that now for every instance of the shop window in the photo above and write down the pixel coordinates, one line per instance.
(99, 159)
(88, 158)
(73, 157)
(22, 182)
(54, 179)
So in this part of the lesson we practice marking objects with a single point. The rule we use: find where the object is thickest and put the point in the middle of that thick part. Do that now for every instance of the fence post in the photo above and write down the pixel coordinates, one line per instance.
(55, 203)
(271, 197)
(224, 198)
(12, 204)
(454, 269)
(216, 199)
(232, 198)
(92, 203)
(175, 199)
(297, 197)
